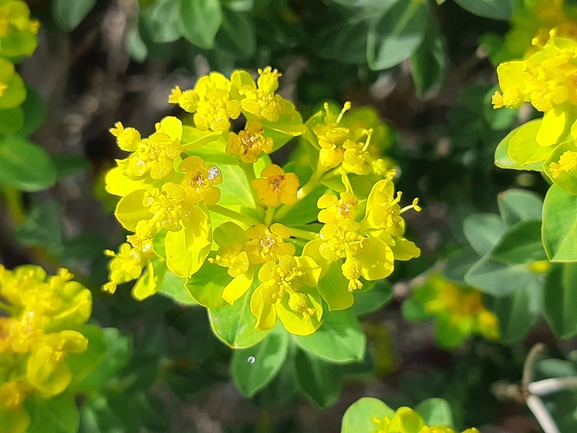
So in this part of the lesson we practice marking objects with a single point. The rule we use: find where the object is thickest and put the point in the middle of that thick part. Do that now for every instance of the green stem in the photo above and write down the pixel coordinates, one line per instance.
(250, 176)
(269, 215)
(306, 189)
(13, 198)
(221, 210)
(8, 308)
(303, 234)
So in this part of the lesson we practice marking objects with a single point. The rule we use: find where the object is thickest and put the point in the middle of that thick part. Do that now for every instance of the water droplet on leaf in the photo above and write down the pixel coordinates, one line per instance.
(251, 359)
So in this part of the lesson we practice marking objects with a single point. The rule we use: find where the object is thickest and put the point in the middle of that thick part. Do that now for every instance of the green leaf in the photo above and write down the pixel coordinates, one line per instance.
(235, 188)
(305, 210)
(520, 244)
(55, 415)
(350, 43)
(498, 279)
(200, 21)
(560, 298)
(340, 338)
(495, 9)
(436, 411)
(206, 285)
(239, 5)
(372, 299)
(524, 149)
(519, 205)
(320, 381)
(283, 386)
(70, 13)
(430, 62)
(11, 120)
(560, 225)
(517, 313)
(333, 288)
(458, 263)
(34, 109)
(376, 4)
(483, 231)
(396, 34)
(161, 20)
(41, 227)
(68, 165)
(254, 368)
(25, 165)
(237, 34)
(414, 311)
(153, 412)
(234, 324)
(174, 287)
(117, 356)
(108, 412)
(82, 364)
(359, 416)
(502, 158)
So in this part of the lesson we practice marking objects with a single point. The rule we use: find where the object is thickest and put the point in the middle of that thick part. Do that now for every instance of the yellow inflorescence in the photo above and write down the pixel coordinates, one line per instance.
(406, 420)
(37, 333)
(183, 213)
(567, 163)
(546, 79)
(532, 24)
(460, 306)
(276, 187)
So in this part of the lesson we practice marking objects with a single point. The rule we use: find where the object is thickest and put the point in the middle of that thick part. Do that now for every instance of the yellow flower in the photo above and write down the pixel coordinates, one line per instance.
(127, 139)
(260, 99)
(356, 158)
(406, 420)
(383, 210)
(249, 143)
(199, 180)
(17, 30)
(155, 154)
(36, 337)
(567, 164)
(125, 266)
(335, 209)
(210, 102)
(267, 244)
(47, 371)
(277, 187)
(188, 100)
(460, 308)
(286, 290)
(331, 136)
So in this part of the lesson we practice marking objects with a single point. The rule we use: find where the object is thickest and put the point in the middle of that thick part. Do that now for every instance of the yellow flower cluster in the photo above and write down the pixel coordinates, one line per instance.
(17, 40)
(458, 310)
(37, 332)
(345, 142)
(406, 420)
(198, 197)
(532, 24)
(546, 79)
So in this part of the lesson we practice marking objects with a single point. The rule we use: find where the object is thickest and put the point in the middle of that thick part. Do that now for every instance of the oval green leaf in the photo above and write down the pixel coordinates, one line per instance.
(200, 21)
(25, 165)
(254, 368)
(560, 225)
(340, 338)
(396, 34)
